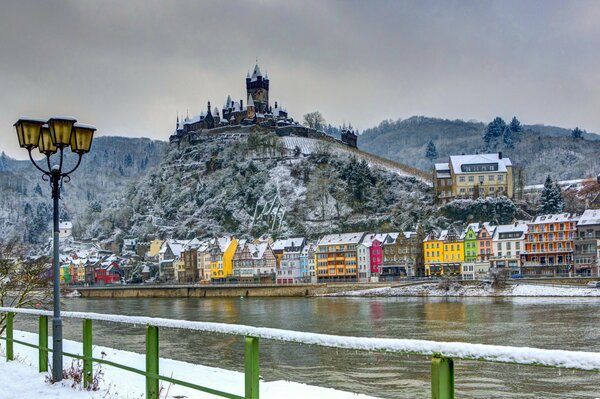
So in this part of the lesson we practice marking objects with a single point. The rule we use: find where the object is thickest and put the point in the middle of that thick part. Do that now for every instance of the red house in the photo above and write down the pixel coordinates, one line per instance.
(376, 255)
(107, 273)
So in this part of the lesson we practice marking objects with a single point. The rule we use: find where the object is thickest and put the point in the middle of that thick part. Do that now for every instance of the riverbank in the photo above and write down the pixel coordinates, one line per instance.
(459, 290)
(211, 291)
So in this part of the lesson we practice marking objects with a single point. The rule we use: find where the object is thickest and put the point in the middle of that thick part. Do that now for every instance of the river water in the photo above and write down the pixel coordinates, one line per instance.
(553, 323)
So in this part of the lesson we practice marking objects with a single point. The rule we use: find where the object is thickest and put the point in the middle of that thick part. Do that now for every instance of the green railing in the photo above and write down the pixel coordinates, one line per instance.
(442, 353)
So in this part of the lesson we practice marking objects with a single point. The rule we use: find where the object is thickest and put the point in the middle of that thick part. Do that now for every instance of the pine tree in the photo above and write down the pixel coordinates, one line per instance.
(507, 137)
(551, 199)
(494, 131)
(431, 152)
(577, 134)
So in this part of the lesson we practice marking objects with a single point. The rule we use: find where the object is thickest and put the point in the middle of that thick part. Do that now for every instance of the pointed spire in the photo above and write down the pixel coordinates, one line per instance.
(208, 107)
(266, 75)
(250, 101)
(248, 74)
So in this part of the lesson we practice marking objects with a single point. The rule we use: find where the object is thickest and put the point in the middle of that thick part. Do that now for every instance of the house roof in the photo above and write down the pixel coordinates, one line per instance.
(589, 217)
(348, 238)
(281, 245)
(517, 227)
(556, 218)
(457, 161)
(444, 166)
(367, 241)
(65, 225)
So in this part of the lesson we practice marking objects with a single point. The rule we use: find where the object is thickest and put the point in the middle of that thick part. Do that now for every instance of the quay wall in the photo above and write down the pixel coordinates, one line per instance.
(210, 291)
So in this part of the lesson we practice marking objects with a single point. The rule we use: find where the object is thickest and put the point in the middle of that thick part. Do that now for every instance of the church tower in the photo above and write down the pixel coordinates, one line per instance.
(257, 87)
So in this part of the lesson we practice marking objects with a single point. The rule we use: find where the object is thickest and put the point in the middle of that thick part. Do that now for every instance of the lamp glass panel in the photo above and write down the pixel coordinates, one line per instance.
(19, 127)
(47, 147)
(81, 140)
(31, 132)
(60, 131)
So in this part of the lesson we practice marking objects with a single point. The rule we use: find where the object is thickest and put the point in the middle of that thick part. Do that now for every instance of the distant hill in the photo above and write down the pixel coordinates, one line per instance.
(113, 162)
(541, 150)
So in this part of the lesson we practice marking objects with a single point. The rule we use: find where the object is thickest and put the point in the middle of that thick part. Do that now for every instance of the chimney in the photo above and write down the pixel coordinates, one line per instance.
(275, 104)
(500, 155)
(241, 104)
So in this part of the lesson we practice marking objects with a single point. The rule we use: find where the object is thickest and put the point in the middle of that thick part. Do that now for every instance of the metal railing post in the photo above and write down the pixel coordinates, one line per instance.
(9, 336)
(43, 344)
(87, 353)
(442, 377)
(251, 368)
(151, 362)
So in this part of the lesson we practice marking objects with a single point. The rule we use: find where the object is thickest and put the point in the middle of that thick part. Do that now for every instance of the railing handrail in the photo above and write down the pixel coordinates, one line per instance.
(578, 360)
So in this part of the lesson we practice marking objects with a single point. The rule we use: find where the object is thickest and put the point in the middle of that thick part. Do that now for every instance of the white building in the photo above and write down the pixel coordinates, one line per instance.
(508, 241)
(65, 229)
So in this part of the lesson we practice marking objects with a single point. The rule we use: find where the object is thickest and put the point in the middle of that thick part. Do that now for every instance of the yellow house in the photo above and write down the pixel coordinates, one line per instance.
(337, 257)
(81, 272)
(179, 269)
(155, 246)
(221, 258)
(433, 250)
(454, 252)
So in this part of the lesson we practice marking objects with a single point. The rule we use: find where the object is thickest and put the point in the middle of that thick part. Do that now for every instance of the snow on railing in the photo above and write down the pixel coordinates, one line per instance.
(589, 361)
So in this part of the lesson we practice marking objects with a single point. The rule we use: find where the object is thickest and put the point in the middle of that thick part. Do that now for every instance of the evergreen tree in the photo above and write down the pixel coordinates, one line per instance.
(577, 134)
(508, 138)
(494, 131)
(38, 189)
(431, 152)
(551, 198)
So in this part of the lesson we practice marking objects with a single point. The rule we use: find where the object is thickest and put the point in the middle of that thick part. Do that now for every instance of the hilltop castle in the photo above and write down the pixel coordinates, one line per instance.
(256, 110)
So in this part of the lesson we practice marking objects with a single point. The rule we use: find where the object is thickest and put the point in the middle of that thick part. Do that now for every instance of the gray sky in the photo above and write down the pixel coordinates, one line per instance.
(129, 66)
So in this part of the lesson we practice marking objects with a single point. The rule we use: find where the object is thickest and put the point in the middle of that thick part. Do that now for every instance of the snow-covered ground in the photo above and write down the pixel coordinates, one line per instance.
(517, 290)
(20, 379)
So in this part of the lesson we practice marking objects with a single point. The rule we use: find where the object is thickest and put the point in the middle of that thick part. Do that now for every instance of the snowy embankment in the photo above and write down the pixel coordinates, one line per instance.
(458, 290)
(116, 383)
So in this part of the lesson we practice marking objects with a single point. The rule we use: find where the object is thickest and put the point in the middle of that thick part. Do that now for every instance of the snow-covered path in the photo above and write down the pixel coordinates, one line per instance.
(20, 380)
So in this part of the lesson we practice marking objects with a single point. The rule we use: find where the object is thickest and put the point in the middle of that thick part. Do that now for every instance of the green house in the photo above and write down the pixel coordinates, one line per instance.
(470, 238)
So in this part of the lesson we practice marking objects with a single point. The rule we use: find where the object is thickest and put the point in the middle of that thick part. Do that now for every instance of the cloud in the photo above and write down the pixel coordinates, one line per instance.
(129, 67)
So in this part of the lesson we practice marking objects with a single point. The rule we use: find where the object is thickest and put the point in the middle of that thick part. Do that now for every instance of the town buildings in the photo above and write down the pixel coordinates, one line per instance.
(337, 257)
(549, 246)
(370, 257)
(469, 176)
(587, 244)
(403, 254)
(508, 242)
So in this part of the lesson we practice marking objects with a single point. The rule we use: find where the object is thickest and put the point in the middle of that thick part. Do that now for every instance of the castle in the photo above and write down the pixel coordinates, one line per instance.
(256, 110)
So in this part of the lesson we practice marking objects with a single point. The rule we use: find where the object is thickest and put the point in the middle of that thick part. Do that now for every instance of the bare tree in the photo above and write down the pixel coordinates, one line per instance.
(314, 120)
(23, 282)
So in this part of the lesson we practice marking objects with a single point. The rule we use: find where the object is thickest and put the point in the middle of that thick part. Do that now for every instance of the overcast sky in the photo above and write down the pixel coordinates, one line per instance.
(130, 66)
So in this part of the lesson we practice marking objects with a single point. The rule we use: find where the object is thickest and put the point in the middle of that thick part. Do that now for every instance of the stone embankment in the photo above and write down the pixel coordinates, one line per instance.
(210, 291)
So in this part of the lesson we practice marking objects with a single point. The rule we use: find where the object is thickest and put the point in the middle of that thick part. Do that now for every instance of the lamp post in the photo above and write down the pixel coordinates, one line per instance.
(51, 137)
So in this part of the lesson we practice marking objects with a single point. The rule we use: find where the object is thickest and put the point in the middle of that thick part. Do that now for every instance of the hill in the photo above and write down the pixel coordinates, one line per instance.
(540, 150)
(113, 162)
(250, 181)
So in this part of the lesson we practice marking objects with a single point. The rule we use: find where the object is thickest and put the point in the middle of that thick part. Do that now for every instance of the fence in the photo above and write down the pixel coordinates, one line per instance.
(442, 353)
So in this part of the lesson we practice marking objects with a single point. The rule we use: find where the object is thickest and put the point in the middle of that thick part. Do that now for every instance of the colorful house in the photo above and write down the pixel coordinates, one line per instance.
(549, 245)
(454, 252)
(433, 248)
(470, 239)
(507, 243)
(337, 257)
(221, 258)
(108, 273)
(484, 242)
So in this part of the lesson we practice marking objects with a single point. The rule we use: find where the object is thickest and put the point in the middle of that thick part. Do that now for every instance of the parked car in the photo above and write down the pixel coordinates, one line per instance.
(594, 284)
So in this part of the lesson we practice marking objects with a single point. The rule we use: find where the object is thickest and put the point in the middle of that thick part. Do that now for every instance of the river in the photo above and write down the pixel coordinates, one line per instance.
(552, 323)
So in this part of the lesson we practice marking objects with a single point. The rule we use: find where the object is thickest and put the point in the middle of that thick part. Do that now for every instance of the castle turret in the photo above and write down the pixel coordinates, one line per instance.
(251, 111)
(258, 88)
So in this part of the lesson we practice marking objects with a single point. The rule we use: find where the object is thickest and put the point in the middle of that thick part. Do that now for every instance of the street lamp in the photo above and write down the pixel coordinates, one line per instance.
(50, 137)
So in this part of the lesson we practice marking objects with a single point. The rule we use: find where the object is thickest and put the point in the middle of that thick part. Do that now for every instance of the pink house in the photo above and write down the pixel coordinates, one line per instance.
(376, 256)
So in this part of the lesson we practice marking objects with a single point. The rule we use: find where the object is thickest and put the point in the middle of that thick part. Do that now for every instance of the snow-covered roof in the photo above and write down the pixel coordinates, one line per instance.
(557, 218)
(367, 241)
(517, 227)
(250, 101)
(443, 235)
(589, 217)
(256, 73)
(457, 161)
(65, 225)
(335, 239)
(281, 245)
(442, 166)
(258, 250)
(223, 243)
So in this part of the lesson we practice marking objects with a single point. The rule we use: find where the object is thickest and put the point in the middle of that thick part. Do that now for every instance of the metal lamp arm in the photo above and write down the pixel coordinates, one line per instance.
(76, 166)
(46, 172)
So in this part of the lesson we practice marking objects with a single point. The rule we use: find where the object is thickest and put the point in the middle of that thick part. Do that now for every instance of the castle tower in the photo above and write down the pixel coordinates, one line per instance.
(251, 109)
(209, 121)
(257, 87)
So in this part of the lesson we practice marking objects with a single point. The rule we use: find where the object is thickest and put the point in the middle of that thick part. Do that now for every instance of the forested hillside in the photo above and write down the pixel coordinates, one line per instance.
(113, 162)
(539, 150)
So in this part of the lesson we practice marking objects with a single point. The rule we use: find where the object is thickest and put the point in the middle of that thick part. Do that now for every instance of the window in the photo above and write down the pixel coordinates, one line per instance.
(491, 178)
(491, 188)
(499, 246)
(471, 178)
(461, 179)
(500, 178)
(508, 246)
(462, 190)
(481, 179)
(471, 189)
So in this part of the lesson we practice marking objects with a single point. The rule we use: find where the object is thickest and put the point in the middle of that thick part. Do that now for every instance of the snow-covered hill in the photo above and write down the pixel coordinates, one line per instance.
(254, 182)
